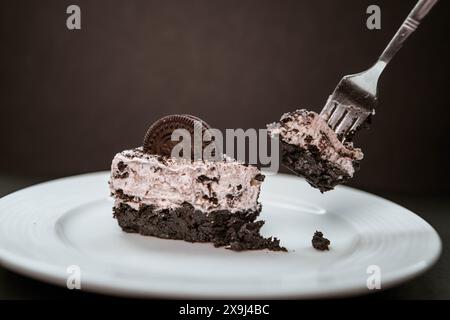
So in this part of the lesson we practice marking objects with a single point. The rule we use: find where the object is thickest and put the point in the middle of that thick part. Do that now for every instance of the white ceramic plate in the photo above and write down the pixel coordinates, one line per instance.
(46, 228)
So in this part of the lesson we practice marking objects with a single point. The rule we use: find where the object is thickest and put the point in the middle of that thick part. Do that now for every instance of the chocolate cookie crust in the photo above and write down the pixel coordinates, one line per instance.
(238, 231)
(309, 164)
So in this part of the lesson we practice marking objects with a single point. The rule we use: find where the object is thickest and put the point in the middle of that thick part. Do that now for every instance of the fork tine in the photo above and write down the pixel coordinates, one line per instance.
(359, 122)
(348, 107)
(327, 111)
(347, 122)
(337, 115)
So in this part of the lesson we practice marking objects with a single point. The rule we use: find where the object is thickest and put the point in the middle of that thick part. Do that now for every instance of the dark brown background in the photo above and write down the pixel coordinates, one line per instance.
(70, 99)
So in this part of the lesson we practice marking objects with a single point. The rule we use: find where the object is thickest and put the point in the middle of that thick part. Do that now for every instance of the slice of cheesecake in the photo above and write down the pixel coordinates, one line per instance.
(192, 200)
(310, 148)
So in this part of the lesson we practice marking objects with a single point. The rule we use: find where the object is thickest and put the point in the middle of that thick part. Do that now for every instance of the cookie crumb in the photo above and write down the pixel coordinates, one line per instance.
(319, 242)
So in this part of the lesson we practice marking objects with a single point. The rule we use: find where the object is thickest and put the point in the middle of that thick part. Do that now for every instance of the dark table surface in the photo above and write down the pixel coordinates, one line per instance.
(434, 284)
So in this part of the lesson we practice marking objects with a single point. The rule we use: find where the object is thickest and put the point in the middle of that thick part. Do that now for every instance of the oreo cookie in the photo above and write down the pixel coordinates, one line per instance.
(158, 140)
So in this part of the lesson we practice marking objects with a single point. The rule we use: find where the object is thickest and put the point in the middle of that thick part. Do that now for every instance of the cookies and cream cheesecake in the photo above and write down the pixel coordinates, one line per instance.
(193, 200)
(312, 149)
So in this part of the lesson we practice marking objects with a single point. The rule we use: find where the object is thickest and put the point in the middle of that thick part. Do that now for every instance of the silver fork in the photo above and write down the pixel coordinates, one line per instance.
(355, 97)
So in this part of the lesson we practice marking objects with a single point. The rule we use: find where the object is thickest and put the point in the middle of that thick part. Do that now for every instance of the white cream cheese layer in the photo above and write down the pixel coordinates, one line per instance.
(143, 179)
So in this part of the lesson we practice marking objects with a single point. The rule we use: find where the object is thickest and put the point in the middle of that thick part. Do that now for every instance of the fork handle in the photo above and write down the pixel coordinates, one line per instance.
(409, 26)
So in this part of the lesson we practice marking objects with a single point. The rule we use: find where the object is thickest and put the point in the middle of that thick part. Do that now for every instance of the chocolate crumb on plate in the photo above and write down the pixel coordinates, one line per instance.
(319, 242)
